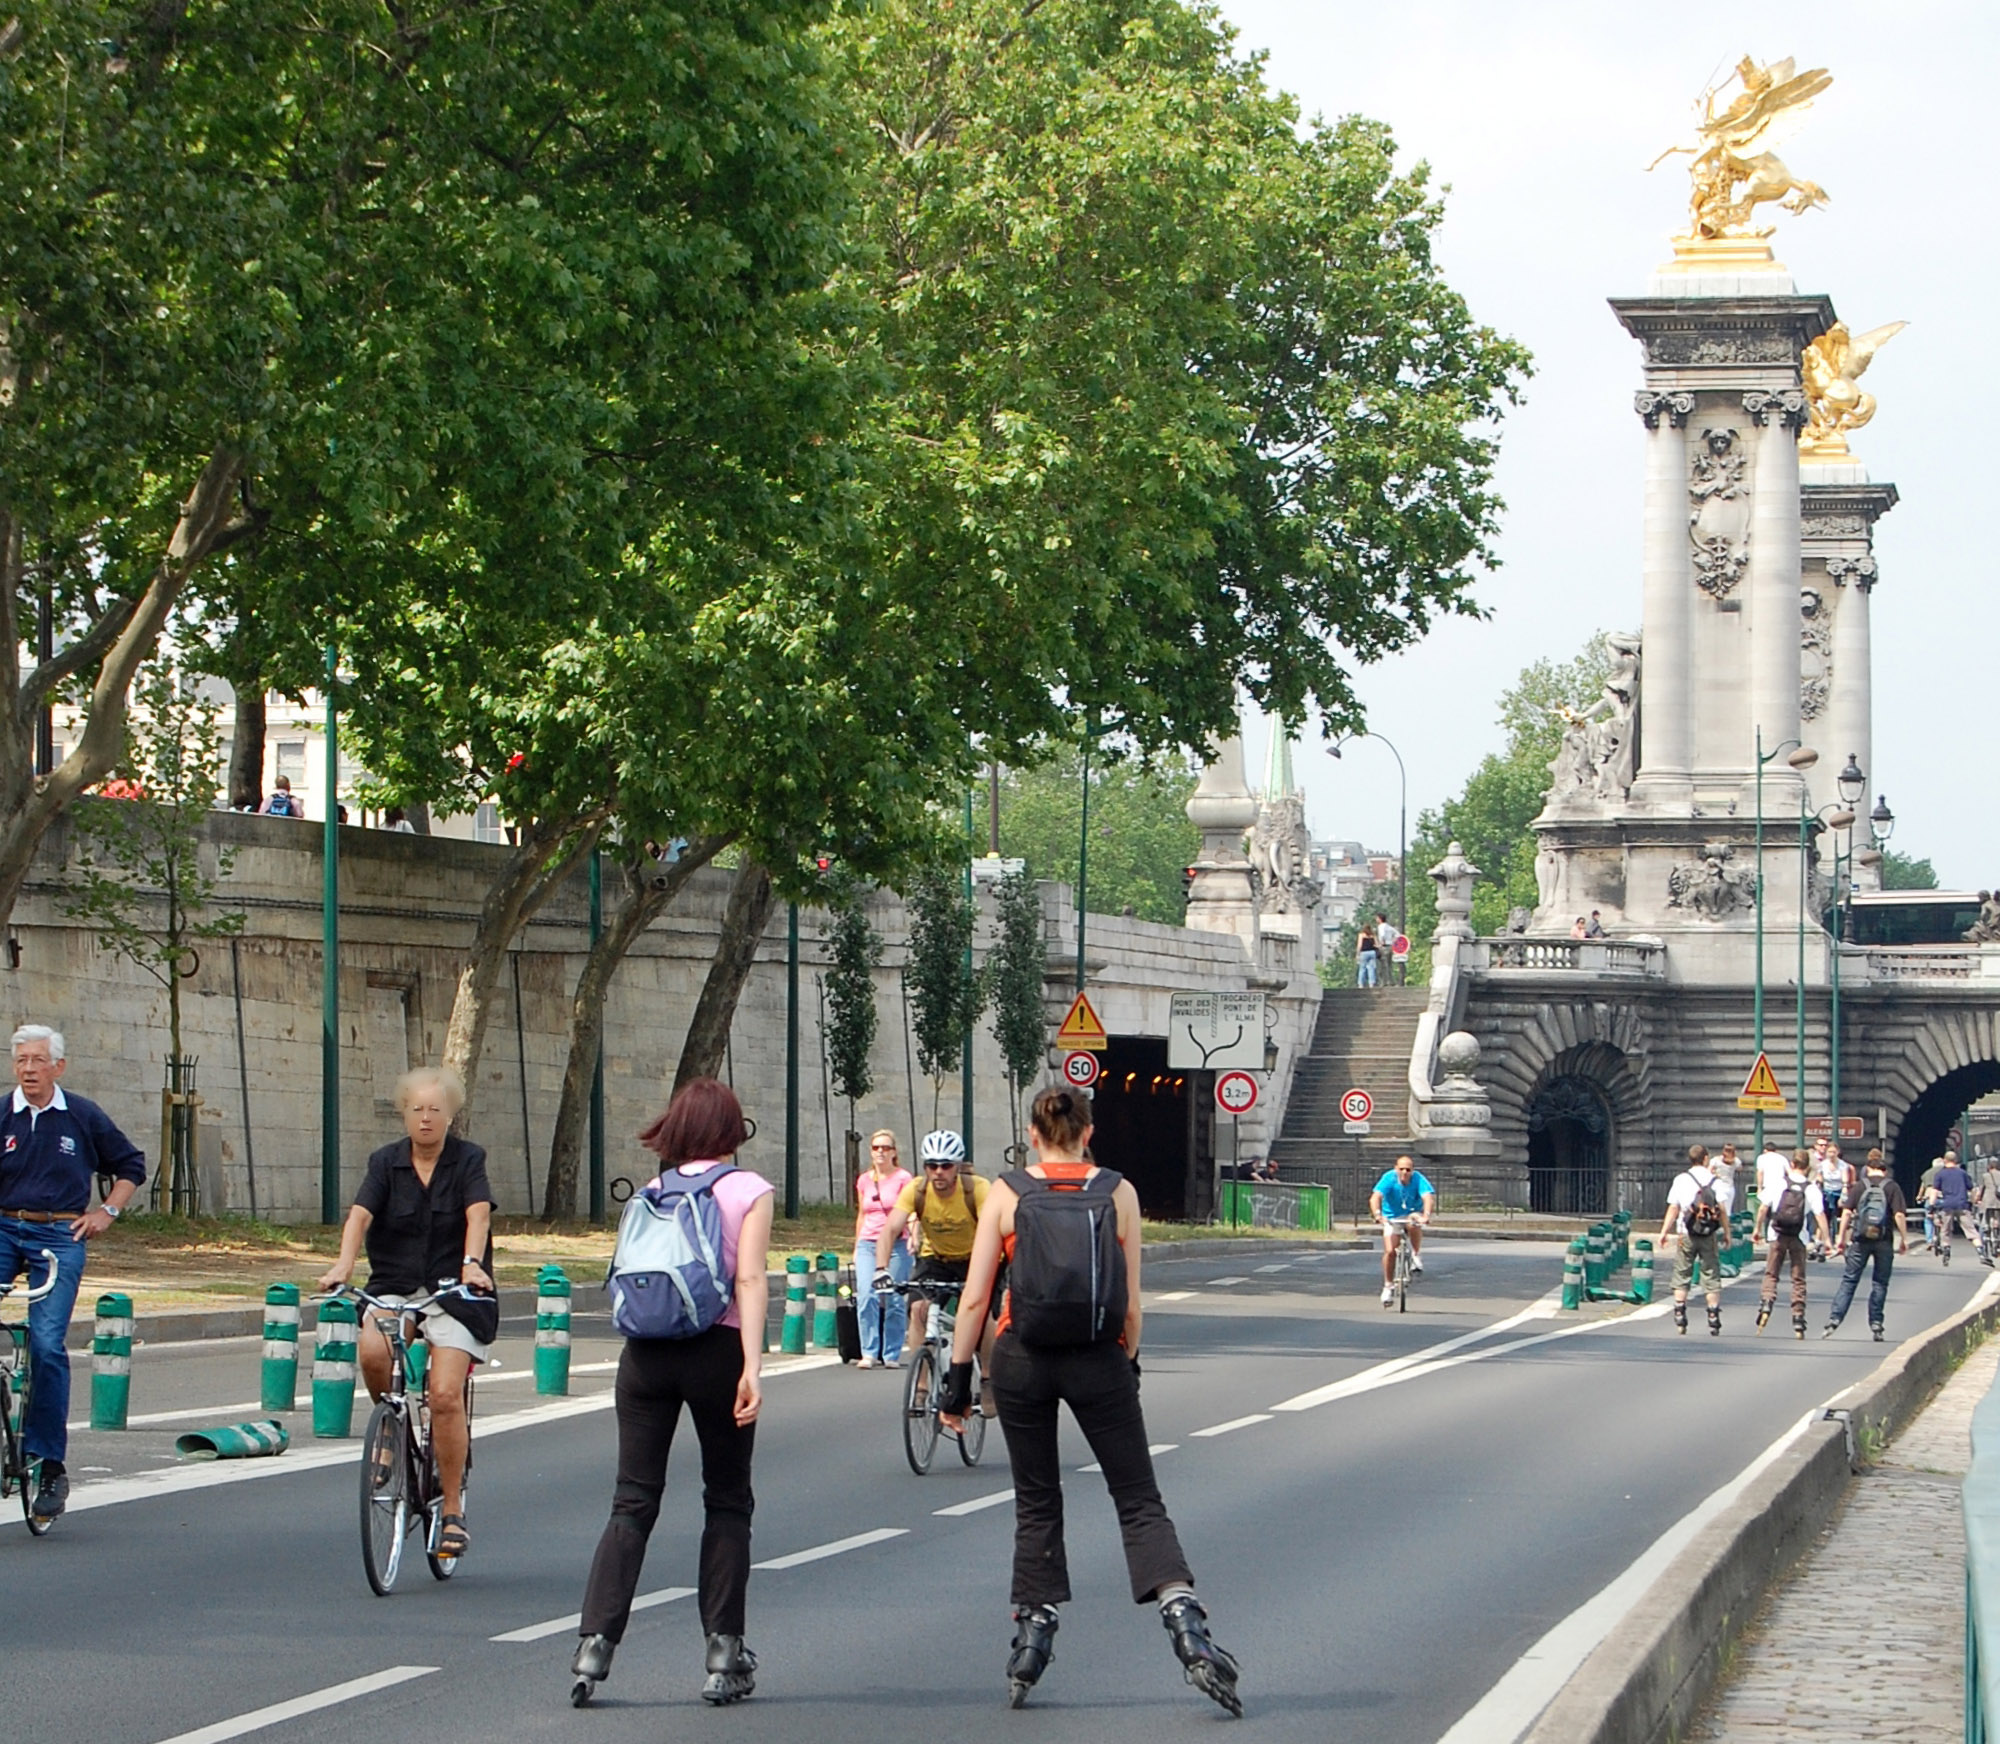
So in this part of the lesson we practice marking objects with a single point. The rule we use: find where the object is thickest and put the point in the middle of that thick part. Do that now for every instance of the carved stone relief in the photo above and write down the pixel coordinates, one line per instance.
(1679, 350)
(1281, 857)
(1719, 512)
(1859, 570)
(1593, 767)
(1788, 406)
(1649, 405)
(1833, 527)
(1711, 888)
(1815, 652)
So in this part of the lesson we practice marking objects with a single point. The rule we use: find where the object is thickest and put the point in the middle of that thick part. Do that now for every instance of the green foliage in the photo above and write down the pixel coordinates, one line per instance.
(1140, 836)
(945, 999)
(141, 884)
(1906, 872)
(854, 949)
(1016, 969)
(1491, 816)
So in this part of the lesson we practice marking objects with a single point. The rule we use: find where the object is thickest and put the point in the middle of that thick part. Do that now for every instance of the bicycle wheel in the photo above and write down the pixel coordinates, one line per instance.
(1403, 1276)
(385, 1495)
(24, 1468)
(920, 1422)
(444, 1567)
(972, 1438)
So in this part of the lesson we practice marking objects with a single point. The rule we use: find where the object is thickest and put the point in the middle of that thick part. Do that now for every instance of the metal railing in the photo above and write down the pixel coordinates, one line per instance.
(1981, 1501)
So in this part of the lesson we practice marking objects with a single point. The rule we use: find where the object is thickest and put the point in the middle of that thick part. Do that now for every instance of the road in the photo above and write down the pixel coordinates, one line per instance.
(1377, 1560)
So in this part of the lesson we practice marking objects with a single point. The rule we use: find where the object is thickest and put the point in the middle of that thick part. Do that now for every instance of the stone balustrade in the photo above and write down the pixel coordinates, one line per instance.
(1644, 959)
(1926, 963)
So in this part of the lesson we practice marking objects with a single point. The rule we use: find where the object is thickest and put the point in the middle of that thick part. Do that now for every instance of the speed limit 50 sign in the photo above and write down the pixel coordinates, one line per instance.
(1236, 1092)
(1356, 1105)
(1079, 1070)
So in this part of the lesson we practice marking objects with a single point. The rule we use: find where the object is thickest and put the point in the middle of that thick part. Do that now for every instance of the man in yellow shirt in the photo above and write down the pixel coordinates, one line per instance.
(945, 1205)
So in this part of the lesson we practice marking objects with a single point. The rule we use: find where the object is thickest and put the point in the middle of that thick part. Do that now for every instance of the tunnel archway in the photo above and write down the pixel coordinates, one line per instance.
(1921, 1138)
(1572, 1139)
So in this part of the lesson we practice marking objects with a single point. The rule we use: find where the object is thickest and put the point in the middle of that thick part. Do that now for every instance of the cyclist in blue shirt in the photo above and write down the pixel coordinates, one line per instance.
(1402, 1193)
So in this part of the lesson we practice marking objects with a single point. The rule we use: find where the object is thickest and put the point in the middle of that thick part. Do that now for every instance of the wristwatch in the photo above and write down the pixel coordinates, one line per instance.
(114, 1212)
(474, 1260)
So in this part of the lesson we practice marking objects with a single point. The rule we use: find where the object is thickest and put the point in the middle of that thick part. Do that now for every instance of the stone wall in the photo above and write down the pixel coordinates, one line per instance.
(407, 909)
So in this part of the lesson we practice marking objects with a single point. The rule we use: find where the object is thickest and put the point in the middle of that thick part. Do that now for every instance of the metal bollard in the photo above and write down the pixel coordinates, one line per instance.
(281, 1348)
(1642, 1271)
(552, 1297)
(826, 1284)
(333, 1371)
(1572, 1296)
(793, 1340)
(111, 1362)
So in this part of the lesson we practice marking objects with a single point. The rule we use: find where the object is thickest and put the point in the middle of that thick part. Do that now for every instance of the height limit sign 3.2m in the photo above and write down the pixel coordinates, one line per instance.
(1236, 1093)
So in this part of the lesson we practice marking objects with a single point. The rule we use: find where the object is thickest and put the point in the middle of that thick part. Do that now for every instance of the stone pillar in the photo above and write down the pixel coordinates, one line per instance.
(1666, 706)
(1223, 897)
(1850, 708)
(1774, 586)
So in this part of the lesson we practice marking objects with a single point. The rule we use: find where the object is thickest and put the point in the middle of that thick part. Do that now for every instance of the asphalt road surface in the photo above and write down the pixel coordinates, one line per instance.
(1378, 1545)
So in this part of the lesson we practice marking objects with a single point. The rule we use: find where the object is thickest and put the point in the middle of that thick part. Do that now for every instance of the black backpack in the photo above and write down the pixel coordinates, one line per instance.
(1066, 1282)
(1788, 1216)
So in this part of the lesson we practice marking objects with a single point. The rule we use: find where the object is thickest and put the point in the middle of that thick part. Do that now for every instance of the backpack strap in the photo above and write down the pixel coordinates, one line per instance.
(672, 1184)
(1023, 1183)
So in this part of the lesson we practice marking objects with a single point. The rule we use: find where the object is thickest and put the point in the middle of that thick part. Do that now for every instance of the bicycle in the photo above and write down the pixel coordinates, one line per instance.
(929, 1365)
(400, 1486)
(17, 1470)
(1400, 1227)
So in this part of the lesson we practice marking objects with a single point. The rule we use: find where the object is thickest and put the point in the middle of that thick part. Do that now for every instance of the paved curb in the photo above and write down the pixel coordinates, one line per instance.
(1645, 1680)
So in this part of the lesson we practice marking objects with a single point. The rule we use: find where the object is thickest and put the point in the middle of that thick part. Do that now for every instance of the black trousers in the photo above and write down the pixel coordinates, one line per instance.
(656, 1377)
(1097, 1383)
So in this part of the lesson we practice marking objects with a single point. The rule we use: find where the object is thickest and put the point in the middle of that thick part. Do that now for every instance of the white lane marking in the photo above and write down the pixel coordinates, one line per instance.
(310, 1455)
(1158, 1448)
(562, 1625)
(235, 1413)
(1282, 1266)
(259, 1718)
(1232, 1424)
(1173, 1296)
(839, 1547)
(1397, 1368)
(1513, 1704)
(1229, 1280)
(959, 1509)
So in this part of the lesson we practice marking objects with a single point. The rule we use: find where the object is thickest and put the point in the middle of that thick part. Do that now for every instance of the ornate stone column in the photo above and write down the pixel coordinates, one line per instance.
(1223, 896)
(1774, 585)
(1666, 708)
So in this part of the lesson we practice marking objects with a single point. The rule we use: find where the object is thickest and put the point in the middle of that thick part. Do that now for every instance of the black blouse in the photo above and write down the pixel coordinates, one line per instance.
(417, 1238)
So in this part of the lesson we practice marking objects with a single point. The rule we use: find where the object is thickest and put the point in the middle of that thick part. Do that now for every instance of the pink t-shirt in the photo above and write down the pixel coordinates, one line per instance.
(878, 1199)
(735, 1193)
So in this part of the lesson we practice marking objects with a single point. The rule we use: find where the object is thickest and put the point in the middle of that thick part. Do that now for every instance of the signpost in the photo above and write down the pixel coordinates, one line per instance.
(1079, 1070)
(1082, 1028)
(1355, 1108)
(1760, 1090)
(1399, 955)
(1210, 1032)
(1852, 1127)
(1235, 1095)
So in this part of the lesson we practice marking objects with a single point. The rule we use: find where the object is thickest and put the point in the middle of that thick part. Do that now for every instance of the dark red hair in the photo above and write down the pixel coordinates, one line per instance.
(703, 1122)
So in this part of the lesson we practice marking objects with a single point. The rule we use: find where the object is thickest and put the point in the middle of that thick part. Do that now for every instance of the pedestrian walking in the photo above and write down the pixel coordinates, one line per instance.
(707, 1357)
(1924, 1201)
(1948, 1197)
(1772, 1165)
(1988, 1199)
(282, 802)
(1366, 956)
(1874, 1218)
(884, 1314)
(1836, 1181)
(1070, 1324)
(1797, 1202)
(1698, 1205)
(51, 1146)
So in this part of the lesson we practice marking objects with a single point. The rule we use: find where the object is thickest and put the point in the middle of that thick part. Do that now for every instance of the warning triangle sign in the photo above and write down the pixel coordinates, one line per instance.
(1082, 1029)
(1760, 1089)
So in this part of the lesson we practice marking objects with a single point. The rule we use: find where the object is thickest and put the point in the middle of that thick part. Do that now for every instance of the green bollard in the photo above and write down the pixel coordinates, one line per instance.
(1596, 1262)
(826, 1284)
(281, 1348)
(552, 1297)
(333, 1371)
(234, 1441)
(1572, 1296)
(1642, 1271)
(1621, 1240)
(792, 1341)
(111, 1362)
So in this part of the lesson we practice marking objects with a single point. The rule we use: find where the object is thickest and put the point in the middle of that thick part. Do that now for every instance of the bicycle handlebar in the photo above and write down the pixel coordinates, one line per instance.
(935, 1288)
(411, 1305)
(35, 1291)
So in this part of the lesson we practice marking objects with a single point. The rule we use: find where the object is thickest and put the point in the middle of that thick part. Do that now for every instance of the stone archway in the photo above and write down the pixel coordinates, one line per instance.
(1571, 1141)
(1923, 1133)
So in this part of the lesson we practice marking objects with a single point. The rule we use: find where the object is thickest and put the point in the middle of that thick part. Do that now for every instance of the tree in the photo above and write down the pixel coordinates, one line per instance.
(1140, 836)
(1016, 970)
(945, 999)
(143, 880)
(854, 950)
(1906, 872)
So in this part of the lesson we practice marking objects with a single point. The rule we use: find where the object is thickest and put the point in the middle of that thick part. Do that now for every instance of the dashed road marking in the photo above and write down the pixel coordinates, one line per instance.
(1233, 1424)
(839, 1547)
(258, 1718)
(1158, 1448)
(1173, 1296)
(1229, 1280)
(1281, 1266)
(958, 1510)
(563, 1625)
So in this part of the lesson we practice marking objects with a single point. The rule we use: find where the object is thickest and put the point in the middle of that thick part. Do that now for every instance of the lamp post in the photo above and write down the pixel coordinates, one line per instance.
(597, 1071)
(1835, 815)
(1881, 825)
(1801, 759)
(1402, 823)
(1092, 729)
(329, 992)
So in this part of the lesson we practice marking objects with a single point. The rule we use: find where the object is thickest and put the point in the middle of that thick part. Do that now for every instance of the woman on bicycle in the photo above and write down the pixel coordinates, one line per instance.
(426, 1213)
(1069, 1335)
(717, 1375)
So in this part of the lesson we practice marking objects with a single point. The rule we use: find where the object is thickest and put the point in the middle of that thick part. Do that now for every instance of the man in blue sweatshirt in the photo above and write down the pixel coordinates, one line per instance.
(51, 1145)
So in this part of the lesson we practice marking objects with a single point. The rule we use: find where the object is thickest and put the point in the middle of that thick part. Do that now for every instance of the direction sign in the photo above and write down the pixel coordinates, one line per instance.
(1079, 1070)
(1082, 1027)
(1760, 1089)
(1215, 1031)
(1236, 1093)
(1852, 1127)
(1356, 1105)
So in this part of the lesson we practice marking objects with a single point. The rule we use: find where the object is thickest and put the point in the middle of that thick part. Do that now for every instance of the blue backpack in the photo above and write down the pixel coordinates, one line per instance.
(667, 1277)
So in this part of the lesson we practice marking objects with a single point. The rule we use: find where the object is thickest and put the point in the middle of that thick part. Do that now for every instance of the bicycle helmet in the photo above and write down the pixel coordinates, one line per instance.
(943, 1147)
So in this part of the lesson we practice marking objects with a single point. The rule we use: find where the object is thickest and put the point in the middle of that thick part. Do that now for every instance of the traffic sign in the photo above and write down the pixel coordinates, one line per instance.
(1079, 1070)
(1760, 1090)
(1211, 1032)
(1400, 950)
(1236, 1093)
(1852, 1127)
(1356, 1105)
(1082, 1027)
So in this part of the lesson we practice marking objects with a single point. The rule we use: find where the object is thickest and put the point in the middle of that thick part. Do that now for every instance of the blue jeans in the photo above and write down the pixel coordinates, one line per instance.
(1883, 1251)
(45, 1435)
(1365, 975)
(884, 1319)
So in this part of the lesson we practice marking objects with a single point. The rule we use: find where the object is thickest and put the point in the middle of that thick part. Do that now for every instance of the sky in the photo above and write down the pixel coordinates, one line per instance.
(1538, 118)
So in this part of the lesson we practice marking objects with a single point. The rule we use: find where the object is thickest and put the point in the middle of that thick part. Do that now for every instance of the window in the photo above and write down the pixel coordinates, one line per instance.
(292, 760)
(486, 824)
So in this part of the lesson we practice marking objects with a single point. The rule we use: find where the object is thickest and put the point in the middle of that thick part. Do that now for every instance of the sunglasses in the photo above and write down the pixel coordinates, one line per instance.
(940, 1165)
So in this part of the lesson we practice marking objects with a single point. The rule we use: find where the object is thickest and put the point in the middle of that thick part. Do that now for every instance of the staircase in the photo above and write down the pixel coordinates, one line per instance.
(1362, 1041)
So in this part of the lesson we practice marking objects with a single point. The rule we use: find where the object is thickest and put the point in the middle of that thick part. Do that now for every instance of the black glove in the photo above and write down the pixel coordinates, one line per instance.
(956, 1400)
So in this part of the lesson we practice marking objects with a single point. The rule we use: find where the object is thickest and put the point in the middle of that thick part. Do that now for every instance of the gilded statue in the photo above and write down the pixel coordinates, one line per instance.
(1828, 371)
(1734, 170)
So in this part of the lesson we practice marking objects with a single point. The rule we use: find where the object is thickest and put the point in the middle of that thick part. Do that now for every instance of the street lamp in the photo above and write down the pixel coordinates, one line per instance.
(1801, 759)
(1834, 816)
(1402, 816)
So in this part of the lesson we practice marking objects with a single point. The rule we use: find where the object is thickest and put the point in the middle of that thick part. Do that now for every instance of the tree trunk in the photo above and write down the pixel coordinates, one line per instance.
(545, 856)
(246, 750)
(750, 899)
(418, 811)
(650, 887)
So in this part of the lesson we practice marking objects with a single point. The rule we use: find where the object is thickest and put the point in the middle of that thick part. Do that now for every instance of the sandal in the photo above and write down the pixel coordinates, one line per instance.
(453, 1539)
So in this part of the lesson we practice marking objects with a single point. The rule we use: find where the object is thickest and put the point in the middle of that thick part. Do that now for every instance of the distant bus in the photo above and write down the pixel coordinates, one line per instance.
(1912, 917)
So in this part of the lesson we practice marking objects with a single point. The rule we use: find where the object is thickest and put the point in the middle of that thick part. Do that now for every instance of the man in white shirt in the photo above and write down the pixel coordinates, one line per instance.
(1771, 1166)
(1698, 1215)
(1786, 1213)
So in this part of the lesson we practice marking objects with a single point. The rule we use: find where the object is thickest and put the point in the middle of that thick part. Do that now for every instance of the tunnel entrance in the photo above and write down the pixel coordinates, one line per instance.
(1927, 1129)
(1141, 1109)
(1569, 1148)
